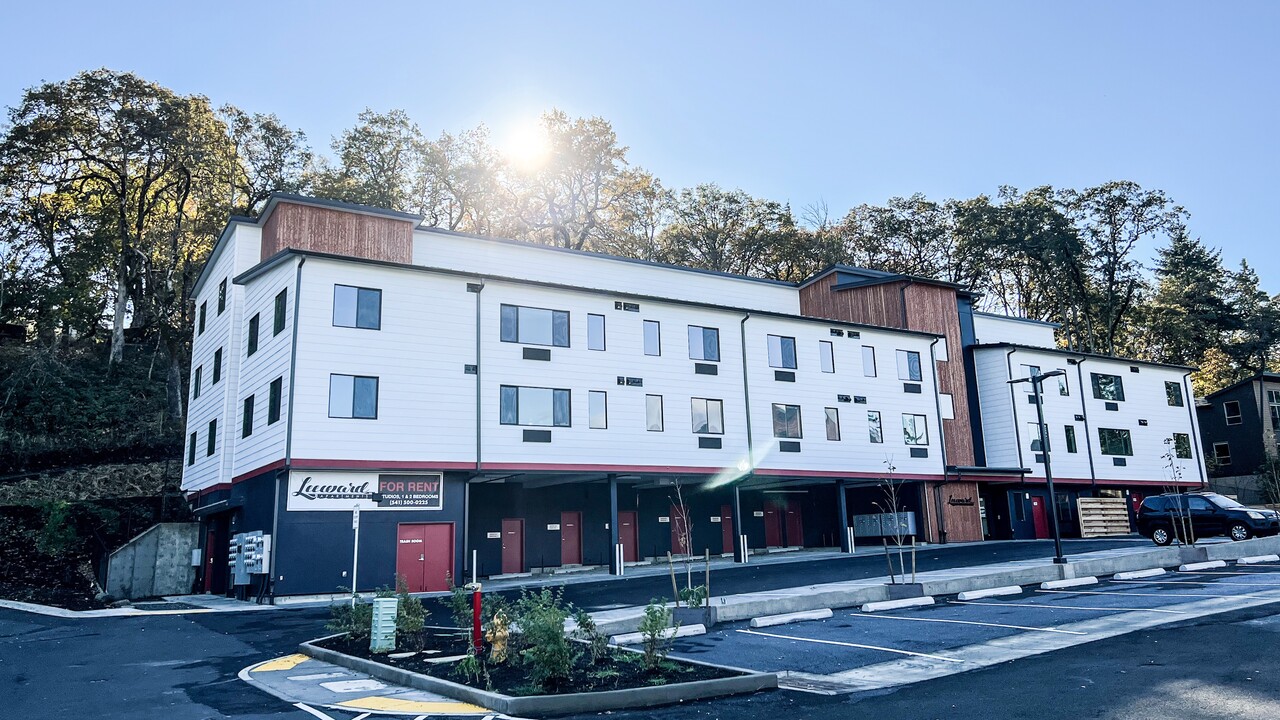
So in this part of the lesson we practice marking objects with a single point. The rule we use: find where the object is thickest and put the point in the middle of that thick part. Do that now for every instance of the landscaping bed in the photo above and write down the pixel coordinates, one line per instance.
(618, 669)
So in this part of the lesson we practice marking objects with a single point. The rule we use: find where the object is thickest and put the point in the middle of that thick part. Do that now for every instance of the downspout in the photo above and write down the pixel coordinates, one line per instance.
(1088, 439)
(479, 287)
(1195, 439)
(288, 430)
(1013, 404)
(746, 392)
(942, 440)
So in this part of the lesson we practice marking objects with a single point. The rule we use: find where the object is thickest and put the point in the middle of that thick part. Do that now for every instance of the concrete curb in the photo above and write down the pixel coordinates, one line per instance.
(636, 638)
(990, 592)
(1255, 559)
(548, 705)
(895, 604)
(1192, 567)
(1068, 583)
(787, 618)
(1138, 574)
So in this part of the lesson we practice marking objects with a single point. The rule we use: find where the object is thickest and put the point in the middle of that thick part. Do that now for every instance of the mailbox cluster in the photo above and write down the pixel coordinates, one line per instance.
(248, 554)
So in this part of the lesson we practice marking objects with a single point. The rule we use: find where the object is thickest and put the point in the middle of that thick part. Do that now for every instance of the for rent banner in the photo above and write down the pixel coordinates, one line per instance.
(343, 491)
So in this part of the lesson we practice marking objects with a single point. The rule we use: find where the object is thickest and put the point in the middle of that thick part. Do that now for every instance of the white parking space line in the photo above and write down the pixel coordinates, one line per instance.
(966, 622)
(307, 708)
(852, 645)
(1069, 607)
(1227, 572)
(1199, 582)
(1163, 595)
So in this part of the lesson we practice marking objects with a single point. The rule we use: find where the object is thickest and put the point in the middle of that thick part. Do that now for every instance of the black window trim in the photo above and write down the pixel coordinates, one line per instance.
(280, 311)
(518, 341)
(704, 330)
(377, 390)
(709, 431)
(357, 288)
(553, 390)
(799, 421)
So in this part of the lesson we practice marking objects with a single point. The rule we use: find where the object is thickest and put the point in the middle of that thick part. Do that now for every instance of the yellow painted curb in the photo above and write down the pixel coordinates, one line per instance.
(375, 702)
(288, 662)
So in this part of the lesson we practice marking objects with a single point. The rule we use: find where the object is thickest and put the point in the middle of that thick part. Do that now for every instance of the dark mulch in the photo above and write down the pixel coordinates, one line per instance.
(66, 598)
(621, 670)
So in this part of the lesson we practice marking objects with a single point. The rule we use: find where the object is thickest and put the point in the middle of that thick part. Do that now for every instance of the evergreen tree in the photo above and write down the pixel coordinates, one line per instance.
(1188, 312)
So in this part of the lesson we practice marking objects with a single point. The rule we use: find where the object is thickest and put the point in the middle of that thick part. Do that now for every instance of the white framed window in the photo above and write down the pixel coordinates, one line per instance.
(704, 343)
(708, 416)
(353, 396)
(782, 352)
(1231, 410)
(652, 337)
(597, 410)
(535, 406)
(595, 332)
(868, 361)
(827, 356)
(653, 413)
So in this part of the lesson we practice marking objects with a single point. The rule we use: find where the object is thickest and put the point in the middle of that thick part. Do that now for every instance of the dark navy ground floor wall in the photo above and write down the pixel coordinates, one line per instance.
(541, 509)
(314, 549)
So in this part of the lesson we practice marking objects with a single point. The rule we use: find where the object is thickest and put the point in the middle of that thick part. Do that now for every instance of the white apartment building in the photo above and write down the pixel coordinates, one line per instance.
(497, 407)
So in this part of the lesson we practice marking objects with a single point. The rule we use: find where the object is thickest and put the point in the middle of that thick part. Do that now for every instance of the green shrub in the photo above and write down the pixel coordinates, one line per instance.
(694, 596)
(473, 669)
(353, 617)
(597, 642)
(458, 603)
(654, 638)
(546, 651)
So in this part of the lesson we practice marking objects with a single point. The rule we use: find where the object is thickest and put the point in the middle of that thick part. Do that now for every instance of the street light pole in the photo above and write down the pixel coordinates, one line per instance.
(1037, 380)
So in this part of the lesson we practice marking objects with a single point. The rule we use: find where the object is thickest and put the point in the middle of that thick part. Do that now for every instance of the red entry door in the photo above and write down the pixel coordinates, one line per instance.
(679, 530)
(424, 555)
(570, 538)
(795, 526)
(726, 529)
(210, 544)
(772, 525)
(512, 545)
(628, 535)
(1040, 517)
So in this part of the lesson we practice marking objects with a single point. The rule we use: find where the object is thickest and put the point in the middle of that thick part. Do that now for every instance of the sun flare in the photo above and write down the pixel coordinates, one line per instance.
(526, 146)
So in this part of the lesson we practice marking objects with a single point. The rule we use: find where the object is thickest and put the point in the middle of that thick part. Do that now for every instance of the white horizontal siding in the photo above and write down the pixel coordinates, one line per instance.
(991, 373)
(991, 329)
(425, 401)
(267, 442)
(543, 264)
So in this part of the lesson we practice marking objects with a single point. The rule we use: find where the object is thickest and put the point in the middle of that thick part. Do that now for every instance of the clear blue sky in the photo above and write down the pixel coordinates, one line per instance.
(846, 102)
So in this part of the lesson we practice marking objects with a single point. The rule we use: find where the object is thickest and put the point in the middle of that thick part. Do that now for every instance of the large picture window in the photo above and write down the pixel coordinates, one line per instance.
(1114, 442)
(357, 307)
(534, 326)
(1107, 387)
(353, 396)
(704, 343)
(786, 421)
(539, 407)
(708, 416)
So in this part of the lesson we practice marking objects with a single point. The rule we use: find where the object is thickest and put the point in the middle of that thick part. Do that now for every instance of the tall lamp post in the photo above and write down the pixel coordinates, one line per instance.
(1037, 379)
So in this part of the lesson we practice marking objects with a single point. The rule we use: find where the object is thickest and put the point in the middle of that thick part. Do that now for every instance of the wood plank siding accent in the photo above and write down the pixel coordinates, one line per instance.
(353, 234)
(928, 308)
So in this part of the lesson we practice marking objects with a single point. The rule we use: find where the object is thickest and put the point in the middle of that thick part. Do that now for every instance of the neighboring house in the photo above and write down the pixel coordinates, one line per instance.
(1237, 441)
(497, 407)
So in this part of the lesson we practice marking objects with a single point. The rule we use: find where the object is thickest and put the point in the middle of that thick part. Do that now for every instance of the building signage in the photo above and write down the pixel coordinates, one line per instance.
(493, 536)
(715, 518)
(962, 502)
(423, 492)
(553, 526)
(369, 491)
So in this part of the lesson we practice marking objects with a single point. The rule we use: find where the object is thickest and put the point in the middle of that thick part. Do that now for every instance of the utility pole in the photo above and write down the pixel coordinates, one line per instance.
(1037, 381)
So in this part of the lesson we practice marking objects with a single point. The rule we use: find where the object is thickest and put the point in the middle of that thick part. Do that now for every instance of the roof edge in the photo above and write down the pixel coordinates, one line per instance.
(1078, 353)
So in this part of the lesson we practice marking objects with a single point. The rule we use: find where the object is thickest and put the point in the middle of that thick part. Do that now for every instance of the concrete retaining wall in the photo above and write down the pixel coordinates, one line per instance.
(156, 562)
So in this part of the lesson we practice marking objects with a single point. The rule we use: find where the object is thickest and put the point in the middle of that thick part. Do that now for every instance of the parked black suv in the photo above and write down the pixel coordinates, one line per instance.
(1161, 516)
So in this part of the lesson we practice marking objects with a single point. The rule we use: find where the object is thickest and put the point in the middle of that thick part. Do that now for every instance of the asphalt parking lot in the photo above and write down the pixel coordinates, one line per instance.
(852, 639)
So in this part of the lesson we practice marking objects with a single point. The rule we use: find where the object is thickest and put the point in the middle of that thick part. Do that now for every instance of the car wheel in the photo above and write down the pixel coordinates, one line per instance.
(1161, 536)
(1239, 531)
